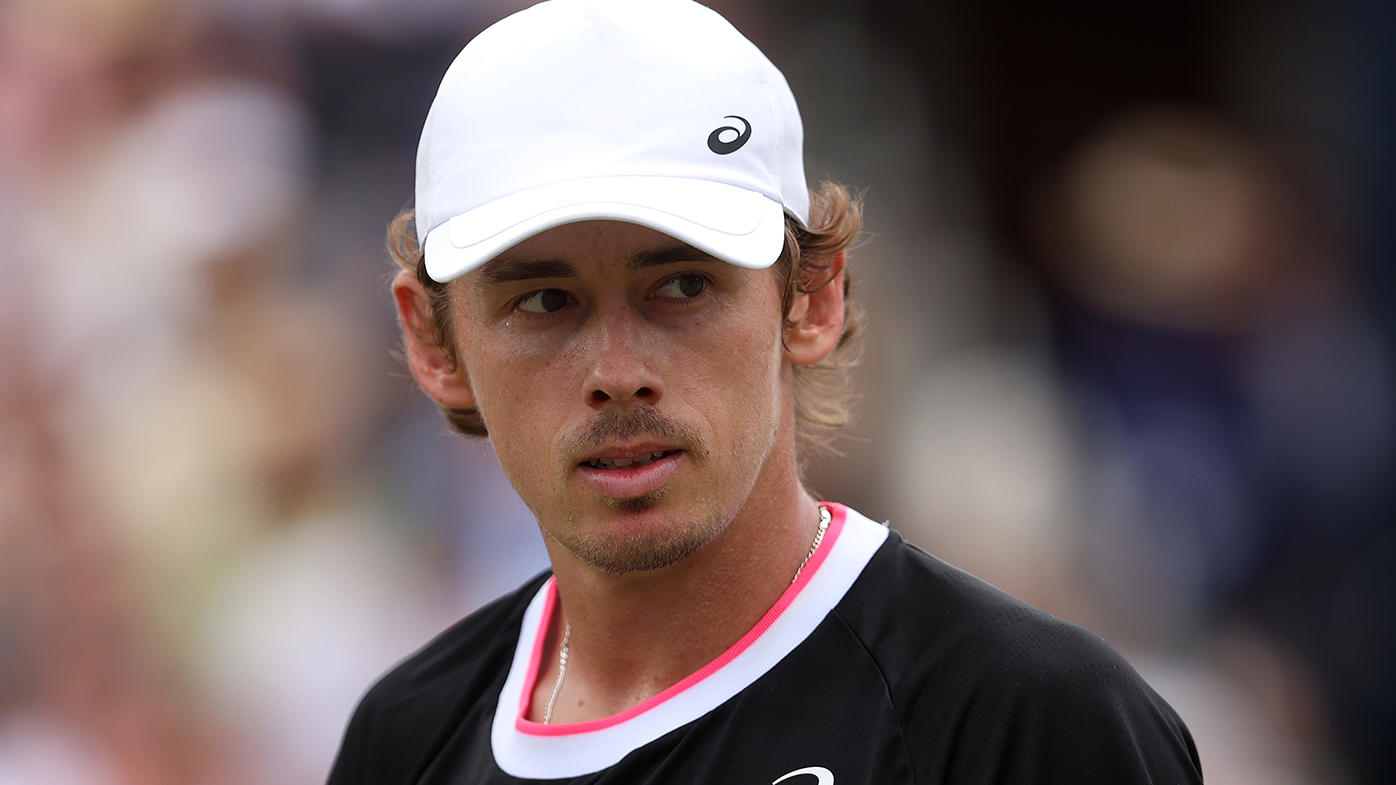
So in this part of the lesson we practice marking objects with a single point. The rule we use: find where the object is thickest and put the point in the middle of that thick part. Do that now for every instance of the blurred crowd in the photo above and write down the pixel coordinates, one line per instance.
(1130, 360)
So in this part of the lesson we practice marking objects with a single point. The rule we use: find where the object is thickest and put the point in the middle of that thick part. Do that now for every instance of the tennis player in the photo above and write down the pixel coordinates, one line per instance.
(619, 274)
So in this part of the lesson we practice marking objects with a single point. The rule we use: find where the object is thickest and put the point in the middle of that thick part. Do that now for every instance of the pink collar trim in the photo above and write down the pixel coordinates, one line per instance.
(838, 514)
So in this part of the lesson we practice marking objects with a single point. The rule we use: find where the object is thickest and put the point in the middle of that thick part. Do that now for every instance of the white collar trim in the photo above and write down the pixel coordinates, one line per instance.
(529, 750)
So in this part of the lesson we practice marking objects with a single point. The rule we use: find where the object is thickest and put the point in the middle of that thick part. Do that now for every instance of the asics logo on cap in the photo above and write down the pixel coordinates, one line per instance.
(720, 147)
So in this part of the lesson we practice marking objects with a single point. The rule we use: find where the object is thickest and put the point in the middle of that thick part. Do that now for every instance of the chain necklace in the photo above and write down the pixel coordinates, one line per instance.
(561, 674)
(824, 518)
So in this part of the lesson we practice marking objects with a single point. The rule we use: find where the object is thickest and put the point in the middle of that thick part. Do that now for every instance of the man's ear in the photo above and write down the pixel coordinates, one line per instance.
(817, 317)
(433, 364)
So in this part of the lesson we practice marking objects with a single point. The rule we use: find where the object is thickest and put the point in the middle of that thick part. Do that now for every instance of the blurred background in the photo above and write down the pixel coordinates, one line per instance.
(1129, 271)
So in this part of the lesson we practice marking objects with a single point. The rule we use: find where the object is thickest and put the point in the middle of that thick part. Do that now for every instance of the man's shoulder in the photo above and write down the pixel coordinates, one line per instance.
(980, 677)
(917, 607)
(451, 682)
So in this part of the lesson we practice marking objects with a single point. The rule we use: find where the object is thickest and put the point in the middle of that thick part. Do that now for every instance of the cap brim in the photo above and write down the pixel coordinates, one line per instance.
(737, 225)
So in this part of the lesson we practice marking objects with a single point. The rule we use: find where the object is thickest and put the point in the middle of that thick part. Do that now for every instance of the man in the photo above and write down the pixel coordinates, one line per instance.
(623, 281)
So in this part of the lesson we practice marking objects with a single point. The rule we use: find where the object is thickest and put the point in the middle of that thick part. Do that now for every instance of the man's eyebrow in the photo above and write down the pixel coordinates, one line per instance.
(682, 252)
(503, 270)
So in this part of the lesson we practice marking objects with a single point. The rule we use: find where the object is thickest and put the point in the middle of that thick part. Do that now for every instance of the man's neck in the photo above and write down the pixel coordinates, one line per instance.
(633, 636)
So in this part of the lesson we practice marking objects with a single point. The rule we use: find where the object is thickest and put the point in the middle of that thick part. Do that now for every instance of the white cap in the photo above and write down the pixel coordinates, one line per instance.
(655, 112)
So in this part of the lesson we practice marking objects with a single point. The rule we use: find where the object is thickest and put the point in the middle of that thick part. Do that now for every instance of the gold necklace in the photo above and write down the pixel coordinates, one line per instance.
(824, 518)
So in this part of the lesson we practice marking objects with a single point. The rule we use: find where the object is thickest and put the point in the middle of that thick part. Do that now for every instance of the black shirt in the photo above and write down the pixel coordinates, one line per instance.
(881, 664)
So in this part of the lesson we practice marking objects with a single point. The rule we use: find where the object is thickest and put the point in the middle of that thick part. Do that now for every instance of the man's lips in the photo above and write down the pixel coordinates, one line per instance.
(628, 461)
(632, 473)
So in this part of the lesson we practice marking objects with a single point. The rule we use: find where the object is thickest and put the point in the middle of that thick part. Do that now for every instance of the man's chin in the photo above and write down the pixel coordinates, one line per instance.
(638, 504)
(643, 545)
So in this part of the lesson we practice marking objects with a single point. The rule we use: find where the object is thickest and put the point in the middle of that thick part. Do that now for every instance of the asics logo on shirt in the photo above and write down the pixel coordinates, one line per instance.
(822, 775)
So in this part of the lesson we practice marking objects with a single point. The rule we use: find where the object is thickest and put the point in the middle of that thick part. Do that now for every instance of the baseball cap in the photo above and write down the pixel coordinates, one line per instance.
(655, 112)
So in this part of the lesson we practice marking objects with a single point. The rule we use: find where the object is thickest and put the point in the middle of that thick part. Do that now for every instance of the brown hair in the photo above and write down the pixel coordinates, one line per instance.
(823, 403)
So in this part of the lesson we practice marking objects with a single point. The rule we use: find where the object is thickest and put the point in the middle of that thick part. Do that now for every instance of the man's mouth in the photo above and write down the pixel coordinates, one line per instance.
(629, 463)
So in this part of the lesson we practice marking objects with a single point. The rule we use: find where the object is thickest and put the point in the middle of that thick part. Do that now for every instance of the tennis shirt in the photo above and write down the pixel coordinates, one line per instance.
(880, 664)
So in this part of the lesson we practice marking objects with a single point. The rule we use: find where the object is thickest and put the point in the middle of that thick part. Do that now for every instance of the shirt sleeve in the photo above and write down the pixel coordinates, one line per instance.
(386, 739)
(351, 765)
(1094, 723)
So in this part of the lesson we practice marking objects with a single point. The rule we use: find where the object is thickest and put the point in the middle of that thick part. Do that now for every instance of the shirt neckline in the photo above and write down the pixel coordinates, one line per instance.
(532, 750)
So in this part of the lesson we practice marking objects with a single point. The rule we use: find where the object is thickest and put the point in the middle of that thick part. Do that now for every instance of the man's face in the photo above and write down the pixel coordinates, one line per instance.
(634, 388)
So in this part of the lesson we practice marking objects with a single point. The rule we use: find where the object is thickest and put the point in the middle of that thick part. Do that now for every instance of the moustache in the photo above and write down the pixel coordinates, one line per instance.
(612, 425)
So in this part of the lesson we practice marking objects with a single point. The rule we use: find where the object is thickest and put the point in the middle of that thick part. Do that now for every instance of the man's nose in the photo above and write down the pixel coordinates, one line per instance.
(622, 367)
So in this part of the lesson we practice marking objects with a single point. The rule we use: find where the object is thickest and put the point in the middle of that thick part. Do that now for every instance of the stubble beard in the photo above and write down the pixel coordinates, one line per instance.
(622, 554)
(654, 550)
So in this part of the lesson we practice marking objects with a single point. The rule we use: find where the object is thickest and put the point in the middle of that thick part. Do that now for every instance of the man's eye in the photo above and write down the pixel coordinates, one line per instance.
(682, 287)
(543, 301)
